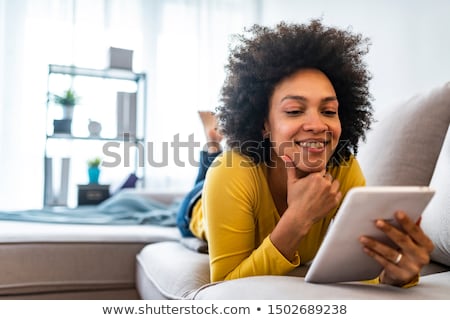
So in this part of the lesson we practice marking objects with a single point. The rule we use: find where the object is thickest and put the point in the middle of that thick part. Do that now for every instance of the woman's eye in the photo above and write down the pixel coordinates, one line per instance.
(293, 112)
(330, 113)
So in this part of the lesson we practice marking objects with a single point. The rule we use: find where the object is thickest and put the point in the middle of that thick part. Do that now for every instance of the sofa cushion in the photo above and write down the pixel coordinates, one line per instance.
(435, 286)
(169, 270)
(40, 258)
(39, 268)
(436, 217)
(404, 145)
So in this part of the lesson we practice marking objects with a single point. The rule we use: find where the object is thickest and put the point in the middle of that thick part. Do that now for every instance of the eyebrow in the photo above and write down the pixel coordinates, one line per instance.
(304, 99)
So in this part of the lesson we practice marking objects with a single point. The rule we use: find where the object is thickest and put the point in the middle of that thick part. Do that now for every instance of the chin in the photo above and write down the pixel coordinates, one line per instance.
(310, 169)
(311, 165)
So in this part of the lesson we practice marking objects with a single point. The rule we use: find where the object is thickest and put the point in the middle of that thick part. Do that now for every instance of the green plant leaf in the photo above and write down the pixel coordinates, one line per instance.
(94, 162)
(69, 98)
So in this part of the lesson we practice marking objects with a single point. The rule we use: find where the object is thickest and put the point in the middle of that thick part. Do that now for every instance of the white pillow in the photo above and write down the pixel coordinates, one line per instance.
(436, 217)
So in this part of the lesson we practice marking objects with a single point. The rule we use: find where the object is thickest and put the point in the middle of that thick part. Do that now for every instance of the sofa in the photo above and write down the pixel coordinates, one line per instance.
(40, 260)
(409, 146)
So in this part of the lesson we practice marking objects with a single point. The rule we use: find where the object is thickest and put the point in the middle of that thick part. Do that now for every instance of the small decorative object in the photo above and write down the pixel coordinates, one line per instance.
(68, 101)
(94, 170)
(94, 128)
(120, 58)
(92, 194)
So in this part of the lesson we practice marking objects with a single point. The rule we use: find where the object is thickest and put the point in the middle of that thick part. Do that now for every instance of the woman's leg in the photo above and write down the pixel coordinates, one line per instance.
(185, 209)
(213, 138)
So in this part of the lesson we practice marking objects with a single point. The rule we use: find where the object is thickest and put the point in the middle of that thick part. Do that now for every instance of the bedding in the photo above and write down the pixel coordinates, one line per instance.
(124, 208)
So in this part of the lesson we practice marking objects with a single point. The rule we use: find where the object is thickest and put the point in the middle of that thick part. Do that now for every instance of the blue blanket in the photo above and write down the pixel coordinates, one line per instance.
(120, 209)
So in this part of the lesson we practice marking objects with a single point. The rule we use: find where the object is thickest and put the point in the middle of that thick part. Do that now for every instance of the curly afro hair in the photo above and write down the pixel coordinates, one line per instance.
(265, 56)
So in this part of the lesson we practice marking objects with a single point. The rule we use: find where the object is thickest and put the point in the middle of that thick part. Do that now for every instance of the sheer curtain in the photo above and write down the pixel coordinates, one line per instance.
(181, 45)
(186, 71)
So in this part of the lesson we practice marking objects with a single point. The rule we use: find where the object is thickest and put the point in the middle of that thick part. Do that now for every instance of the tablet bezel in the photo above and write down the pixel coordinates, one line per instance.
(341, 257)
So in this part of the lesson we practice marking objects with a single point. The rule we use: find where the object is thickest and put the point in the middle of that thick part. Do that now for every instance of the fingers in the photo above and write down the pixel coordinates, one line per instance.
(292, 178)
(327, 175)
(334, 186)
(290, 169)
(414, 248)
(398, 270)
(385, 255)
(411, 239)
(414, 231)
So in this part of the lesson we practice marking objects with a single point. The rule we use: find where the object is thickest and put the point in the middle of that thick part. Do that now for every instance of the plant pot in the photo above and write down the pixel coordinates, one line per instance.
(68, 112)
(94, 173)
(62, 126)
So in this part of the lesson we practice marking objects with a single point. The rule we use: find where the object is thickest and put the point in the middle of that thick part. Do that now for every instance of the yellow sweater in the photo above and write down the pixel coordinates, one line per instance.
(237, 214)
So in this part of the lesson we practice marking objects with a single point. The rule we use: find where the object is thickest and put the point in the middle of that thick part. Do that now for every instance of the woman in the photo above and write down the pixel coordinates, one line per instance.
(295, 105)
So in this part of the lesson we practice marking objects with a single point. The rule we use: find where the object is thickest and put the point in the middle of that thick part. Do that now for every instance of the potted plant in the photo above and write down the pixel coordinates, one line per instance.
(68, 100)
(94, 170)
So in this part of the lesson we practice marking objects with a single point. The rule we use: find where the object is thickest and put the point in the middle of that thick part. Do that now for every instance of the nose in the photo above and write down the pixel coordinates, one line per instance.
(314, 122)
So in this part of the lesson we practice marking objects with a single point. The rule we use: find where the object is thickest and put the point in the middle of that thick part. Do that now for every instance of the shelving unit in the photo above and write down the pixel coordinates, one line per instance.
(103, 93)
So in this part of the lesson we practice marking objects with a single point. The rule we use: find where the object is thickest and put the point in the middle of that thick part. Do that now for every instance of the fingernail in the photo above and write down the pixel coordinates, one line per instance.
(379, 223)
(418, 221)
(400, 215)
(287, 161)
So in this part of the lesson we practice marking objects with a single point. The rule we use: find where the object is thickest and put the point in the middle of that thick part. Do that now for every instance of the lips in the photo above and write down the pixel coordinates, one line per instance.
(312, 144)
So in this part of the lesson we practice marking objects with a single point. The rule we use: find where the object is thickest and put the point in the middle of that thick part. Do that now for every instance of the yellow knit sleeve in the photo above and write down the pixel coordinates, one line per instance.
(414, 281)
(230, 207)
(266, 259)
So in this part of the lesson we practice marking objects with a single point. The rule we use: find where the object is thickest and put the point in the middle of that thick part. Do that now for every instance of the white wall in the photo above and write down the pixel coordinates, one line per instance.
(410, 49)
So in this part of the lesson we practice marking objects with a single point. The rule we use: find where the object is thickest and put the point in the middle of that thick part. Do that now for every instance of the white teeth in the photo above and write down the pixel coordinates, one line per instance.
(312, 144)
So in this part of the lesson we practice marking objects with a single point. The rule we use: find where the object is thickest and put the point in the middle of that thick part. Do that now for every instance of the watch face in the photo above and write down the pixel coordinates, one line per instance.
(94, 128)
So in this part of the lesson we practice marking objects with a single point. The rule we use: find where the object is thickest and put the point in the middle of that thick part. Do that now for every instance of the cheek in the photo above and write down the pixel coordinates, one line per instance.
(336, 131)
(282, 136)
(283, 132)
(280, 142)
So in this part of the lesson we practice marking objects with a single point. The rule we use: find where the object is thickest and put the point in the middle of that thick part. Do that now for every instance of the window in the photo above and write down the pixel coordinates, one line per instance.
(181, 45)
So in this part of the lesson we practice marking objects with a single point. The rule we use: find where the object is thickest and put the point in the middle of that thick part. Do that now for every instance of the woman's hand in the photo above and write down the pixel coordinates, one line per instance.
(403, 265)
(309, 199)
(312, 196)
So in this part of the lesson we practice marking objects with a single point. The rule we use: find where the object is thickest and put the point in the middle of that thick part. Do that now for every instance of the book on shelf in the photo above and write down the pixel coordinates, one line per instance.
(126, 114)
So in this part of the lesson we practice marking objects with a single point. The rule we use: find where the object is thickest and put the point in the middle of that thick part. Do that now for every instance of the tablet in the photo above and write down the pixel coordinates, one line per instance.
(341, 257)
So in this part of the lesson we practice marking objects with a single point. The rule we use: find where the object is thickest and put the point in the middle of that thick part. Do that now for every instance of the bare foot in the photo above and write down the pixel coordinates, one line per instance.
(213, 136)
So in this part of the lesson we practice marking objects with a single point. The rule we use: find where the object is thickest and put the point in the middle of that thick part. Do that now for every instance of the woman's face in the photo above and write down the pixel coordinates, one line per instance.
(303, 121)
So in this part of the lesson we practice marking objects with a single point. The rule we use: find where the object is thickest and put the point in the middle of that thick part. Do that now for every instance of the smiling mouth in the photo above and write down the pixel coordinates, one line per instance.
(312, 144)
